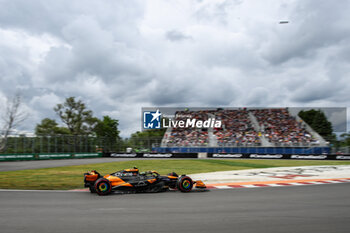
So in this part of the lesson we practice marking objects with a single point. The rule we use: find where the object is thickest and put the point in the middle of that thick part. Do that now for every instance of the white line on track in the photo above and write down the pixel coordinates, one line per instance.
(249, 186)
(299, 183)
(223, 187)
(274, 185)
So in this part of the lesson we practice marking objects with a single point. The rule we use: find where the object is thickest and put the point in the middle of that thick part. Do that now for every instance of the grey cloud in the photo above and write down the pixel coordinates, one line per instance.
(35, 16)
(175, 35)
(314, 25)
(14, 70)
(318, 89)
(170, 92)
(258, 97)
(116, 56)
(313, 94)
(40, 16)
(216, 11)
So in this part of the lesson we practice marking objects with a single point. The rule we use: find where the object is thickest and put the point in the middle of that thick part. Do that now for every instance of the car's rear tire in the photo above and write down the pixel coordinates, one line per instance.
(185, 184)
(103, 187)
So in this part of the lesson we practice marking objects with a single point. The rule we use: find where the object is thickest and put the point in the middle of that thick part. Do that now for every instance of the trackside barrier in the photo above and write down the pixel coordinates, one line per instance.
(54, 156)
(12, 157)
(245, 150)
(44, 156)
(282, 156)
(232, 156)
(152, 155)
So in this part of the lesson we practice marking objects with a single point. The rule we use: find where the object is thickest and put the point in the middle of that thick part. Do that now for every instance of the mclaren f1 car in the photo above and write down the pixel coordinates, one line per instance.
(133, 181)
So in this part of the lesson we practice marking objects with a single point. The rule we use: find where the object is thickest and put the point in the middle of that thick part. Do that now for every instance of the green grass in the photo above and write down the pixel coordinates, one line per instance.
(71, 177)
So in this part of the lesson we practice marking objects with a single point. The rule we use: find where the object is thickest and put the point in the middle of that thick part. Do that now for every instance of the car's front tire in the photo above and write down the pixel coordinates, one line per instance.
(185, 184)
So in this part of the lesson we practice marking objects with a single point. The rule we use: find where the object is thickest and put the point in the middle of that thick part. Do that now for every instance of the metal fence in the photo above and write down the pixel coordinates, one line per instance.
(75, 144)
(57, 144)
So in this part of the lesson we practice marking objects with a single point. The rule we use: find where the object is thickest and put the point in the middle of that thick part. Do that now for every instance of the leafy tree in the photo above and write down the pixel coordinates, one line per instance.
(344, 140)
(318, 121)
(107, 127)
(322, 125)
(308, 116)
(76, 117)
(50, 127)
(107, 130)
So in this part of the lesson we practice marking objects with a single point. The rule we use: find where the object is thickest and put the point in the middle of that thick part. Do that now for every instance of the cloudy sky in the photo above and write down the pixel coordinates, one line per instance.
(119, 56)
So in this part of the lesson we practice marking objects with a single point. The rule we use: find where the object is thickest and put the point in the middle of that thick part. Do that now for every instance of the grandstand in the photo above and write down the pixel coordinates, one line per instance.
(189, 136)
(268, 128)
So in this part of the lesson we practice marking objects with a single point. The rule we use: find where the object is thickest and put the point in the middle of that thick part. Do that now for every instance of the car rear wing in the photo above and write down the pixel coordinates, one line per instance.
(91, 176)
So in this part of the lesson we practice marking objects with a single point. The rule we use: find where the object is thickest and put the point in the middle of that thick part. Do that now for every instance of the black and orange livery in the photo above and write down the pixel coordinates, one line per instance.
(131, 180)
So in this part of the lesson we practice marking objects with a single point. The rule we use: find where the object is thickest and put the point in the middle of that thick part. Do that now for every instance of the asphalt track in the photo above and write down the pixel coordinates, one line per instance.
(314, 208)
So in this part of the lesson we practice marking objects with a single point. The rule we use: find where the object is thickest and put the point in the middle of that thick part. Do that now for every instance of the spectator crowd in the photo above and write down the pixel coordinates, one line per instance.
(237, 129)
(185, 137)
(282, 129)
(277, 126)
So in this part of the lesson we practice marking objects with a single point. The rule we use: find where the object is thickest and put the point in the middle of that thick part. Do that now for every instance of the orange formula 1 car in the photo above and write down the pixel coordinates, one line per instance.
(130, 180)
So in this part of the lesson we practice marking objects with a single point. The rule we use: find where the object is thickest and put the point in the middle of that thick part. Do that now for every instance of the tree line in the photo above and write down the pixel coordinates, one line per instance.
(78, 120)
(318, 121)
(77, 128)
